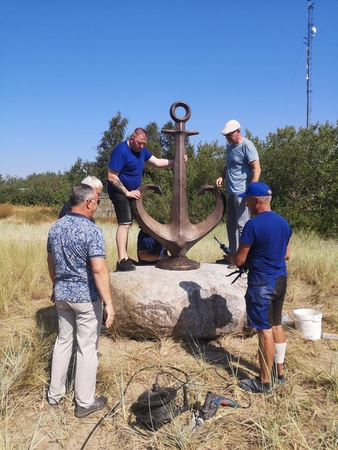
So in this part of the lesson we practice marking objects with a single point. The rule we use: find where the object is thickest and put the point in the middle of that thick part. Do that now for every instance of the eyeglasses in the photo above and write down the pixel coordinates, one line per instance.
(97, 201)
(230, 134)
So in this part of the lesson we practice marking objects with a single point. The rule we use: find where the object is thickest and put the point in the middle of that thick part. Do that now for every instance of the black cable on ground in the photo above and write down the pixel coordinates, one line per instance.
(124, 393)
(112, 410)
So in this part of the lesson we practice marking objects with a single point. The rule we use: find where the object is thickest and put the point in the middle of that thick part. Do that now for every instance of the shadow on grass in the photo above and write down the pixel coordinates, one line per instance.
(211, 353)
(47, 323)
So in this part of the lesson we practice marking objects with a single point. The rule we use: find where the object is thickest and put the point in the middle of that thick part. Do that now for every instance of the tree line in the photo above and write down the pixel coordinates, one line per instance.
(301, 168)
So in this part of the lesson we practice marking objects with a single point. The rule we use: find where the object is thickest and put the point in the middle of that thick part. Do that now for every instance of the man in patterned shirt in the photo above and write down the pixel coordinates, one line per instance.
(78, 270)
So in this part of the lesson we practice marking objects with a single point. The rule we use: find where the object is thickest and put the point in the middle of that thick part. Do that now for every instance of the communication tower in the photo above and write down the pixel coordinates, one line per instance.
(311, 32)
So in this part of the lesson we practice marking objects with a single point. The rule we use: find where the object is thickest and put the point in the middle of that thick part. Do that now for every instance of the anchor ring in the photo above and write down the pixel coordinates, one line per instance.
(177, 105)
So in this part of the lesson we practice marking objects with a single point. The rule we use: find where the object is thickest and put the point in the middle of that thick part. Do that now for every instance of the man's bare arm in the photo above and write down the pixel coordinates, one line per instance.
(163, 162)
(220, 179)
(114, 180)
(240, 256)
(51, 270)
(256, 170)
(51, 267)
(149, 257)
(288, 252)
(102, 282)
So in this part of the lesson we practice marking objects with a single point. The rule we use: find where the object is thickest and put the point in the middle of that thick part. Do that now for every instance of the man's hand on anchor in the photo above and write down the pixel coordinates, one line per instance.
(134, 194)
(171, 162)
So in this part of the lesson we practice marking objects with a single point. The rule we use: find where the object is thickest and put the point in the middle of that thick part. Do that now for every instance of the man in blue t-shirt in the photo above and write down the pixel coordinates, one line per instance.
(126, 165)
(242, 167)
(264, 247)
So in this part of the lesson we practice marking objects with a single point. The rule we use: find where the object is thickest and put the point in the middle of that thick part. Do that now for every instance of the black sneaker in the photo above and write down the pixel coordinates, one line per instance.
(125, 265)
(99, 403)
(279, 380)
(132, 261)
(256, 386)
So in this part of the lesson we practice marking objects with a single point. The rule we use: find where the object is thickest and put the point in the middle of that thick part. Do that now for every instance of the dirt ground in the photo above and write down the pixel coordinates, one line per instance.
(128, 367)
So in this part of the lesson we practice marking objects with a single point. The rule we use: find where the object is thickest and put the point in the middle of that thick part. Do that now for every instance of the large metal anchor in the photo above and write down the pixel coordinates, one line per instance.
(179, 234)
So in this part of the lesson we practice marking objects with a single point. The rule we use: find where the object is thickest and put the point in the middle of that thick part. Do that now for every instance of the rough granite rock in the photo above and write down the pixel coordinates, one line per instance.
(202, 303)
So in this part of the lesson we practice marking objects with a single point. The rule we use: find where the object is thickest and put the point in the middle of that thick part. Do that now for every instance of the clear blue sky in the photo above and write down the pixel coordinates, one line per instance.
(68, 66)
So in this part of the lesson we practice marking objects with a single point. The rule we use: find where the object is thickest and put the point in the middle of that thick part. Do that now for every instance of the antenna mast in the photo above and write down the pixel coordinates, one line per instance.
(311, 31)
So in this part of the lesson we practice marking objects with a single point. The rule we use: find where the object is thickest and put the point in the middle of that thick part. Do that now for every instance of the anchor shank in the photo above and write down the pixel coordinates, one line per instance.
(179, 209)
(178, 235)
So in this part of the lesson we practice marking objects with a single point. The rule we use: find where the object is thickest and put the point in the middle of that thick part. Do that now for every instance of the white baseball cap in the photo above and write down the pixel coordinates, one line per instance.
(230, 126)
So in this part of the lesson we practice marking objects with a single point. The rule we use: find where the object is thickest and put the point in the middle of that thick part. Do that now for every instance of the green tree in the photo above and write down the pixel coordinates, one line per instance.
(78, 171)
(115, 134)
(167, 141)
(12, 190)
(300, 166)
(203, 168)
(49, 188)
(158, 206)
(301, 169)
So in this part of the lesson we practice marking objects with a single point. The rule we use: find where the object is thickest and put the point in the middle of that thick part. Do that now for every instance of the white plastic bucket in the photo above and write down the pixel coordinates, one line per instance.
(309, 323)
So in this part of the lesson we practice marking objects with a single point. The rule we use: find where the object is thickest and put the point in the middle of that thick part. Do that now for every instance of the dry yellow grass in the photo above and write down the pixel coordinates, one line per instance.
(6, 210)
(29, 214)
(303, 414)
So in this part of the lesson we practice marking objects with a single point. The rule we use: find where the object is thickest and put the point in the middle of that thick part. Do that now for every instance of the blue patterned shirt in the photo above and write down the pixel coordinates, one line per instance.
(73, 240)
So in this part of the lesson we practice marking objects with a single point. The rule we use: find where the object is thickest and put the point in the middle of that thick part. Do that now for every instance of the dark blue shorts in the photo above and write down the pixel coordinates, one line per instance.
(122, 206)
(264, 304)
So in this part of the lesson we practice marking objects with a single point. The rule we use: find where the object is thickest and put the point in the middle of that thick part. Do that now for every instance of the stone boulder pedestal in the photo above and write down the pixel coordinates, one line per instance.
(201, 304)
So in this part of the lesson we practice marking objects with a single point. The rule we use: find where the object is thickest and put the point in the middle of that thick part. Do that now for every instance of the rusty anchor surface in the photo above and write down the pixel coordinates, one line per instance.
(179, 234)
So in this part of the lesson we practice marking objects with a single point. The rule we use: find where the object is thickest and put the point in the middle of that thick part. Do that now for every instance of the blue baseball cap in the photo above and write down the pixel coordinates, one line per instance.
(257, 189)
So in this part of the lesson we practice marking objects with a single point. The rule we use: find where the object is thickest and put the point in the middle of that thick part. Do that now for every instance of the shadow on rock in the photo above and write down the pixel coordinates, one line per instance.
(198, 327)
(204, 316)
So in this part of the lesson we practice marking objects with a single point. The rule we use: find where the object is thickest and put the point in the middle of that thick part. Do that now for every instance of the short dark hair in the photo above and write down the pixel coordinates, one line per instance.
(80, 193)
(139, 131)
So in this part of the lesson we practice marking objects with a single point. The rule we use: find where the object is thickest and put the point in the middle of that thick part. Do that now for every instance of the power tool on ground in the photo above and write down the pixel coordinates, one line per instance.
(211, 404)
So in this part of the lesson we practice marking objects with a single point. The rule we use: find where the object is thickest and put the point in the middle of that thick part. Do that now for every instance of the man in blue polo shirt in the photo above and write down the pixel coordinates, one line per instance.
(264, 247)
(124, 179)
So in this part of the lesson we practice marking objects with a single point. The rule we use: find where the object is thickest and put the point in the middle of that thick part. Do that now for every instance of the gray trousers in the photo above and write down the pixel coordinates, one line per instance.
(82, 320)
(237, 216)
